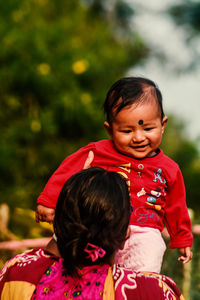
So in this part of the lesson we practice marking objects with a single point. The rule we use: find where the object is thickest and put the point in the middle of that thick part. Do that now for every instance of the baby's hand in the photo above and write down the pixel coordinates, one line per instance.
(186, 254)
(44, 214)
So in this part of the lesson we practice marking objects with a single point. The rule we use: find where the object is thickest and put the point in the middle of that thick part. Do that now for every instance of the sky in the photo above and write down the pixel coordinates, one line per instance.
(181, 91)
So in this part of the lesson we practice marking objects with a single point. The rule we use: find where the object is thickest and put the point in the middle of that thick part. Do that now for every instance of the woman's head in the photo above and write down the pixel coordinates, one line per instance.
(93, 207)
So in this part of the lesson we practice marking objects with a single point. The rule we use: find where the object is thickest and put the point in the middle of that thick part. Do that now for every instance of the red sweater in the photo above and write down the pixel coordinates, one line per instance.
(156, 188)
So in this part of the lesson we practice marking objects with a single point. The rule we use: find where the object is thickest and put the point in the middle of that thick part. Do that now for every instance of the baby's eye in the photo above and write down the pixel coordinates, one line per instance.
(126, 131)
(148, 128)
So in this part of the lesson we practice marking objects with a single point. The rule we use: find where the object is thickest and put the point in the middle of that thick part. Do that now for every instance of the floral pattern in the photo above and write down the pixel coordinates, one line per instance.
(37, 275)
(55, 284)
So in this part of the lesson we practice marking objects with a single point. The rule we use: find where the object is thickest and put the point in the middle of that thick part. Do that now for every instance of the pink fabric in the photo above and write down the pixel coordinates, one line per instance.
(143, 251)
(55, 285)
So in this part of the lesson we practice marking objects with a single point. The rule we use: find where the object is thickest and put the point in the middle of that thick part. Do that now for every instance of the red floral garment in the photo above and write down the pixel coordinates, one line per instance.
(38, 275)
(143, 286)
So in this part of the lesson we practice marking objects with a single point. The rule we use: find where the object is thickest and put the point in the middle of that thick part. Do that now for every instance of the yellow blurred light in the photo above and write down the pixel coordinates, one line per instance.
(21, 193)
(13, 102)
(76, 42)
(41, 2)
(44, 69)
(18, 15)
(86, 98)
(80, 66)
(35, 126)
(47, 226)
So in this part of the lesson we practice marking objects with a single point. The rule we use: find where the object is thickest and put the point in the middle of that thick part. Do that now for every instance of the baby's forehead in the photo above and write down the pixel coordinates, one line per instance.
(146, 99)
(147, 105)
(145, 94)
(148, 94)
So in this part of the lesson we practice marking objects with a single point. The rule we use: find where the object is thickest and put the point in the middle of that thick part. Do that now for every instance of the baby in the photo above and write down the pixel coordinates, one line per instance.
(135, 122)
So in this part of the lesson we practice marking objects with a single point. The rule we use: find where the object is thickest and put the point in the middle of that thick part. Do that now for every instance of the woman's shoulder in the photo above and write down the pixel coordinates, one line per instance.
(143, 285)
(27, 266)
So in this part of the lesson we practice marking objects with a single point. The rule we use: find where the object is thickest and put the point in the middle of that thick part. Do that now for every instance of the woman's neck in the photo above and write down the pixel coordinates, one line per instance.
(52, 247)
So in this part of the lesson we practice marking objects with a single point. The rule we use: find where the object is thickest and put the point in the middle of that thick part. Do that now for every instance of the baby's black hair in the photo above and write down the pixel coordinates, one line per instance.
(127, 91)
(93, 207)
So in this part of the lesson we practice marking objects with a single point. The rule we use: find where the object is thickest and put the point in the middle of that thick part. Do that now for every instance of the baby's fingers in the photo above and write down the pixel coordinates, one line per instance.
(44, 214)
(37, 218)
(40, 218)
(89, 160)
(184, 259)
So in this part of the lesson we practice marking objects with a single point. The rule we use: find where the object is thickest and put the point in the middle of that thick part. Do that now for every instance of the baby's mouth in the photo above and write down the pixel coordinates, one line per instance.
(140, 146)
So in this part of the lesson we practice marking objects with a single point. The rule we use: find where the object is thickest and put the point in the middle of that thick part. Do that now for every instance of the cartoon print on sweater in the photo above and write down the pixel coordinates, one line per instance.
(143, 215)
(141, 193)
(150, 202)
(127, 168)
(152, 197)
(157, 175)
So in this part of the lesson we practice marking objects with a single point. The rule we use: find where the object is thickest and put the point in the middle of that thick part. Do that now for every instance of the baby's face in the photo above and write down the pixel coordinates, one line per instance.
(137, 130)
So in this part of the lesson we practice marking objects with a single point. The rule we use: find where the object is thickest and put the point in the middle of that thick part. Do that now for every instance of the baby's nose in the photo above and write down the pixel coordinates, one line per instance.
(138, 136)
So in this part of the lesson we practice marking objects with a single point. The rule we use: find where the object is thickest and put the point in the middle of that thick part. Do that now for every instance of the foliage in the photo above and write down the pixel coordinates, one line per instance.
(57, 59)
(185, 152)
(195, 287)
(187, 13)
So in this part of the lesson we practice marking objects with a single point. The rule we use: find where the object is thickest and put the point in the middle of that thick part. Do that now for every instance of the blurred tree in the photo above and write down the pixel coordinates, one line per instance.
(119, 12)
(57, 58)
(179, 147)
(185, 152)
(186, 14)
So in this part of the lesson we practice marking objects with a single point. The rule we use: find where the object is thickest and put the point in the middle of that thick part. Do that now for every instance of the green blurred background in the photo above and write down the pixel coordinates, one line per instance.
(57, 61)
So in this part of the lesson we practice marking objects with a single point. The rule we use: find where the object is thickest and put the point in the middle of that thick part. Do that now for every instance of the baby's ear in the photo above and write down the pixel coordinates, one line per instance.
(164, 122)
(108, 128)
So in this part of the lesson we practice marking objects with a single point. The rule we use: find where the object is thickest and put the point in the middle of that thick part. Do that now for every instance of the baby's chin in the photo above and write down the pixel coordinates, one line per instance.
(138, 154)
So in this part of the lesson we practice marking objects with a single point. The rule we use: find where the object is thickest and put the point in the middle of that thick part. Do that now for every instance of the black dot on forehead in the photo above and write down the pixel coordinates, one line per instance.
(140, 122)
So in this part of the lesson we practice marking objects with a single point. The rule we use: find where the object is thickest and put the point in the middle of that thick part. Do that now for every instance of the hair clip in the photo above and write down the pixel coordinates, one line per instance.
(94, 251)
